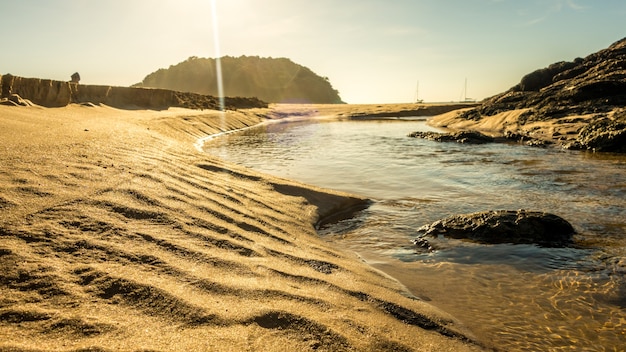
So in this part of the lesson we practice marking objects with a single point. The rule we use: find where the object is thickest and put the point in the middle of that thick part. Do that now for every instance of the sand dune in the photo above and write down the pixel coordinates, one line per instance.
(117, 234)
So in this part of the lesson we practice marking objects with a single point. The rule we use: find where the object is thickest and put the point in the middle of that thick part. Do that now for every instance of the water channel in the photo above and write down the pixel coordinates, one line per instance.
(515, 297)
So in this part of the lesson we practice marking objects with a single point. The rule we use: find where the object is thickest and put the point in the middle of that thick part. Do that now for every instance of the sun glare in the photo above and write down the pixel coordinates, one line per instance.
(218, 63)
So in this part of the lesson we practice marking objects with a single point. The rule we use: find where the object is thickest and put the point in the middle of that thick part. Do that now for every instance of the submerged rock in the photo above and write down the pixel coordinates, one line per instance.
(475, 137)
(501, 226)
(469, 137)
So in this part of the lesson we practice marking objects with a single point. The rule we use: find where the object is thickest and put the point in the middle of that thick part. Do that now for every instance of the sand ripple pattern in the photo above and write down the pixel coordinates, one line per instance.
(121, 236)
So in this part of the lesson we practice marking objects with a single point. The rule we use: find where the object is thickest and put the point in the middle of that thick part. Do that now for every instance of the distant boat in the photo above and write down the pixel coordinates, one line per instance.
(464, 98)
(417, 94)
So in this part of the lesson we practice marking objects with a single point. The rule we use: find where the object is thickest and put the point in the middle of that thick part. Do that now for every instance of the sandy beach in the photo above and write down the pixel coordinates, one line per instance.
(117, 234)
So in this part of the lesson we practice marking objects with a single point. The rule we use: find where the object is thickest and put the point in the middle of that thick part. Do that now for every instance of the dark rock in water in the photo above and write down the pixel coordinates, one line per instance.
(604, 135)
(469, 137)
(502, 226)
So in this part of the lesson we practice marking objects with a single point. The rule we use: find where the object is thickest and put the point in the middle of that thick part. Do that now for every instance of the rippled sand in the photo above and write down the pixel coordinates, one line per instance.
(117, 234)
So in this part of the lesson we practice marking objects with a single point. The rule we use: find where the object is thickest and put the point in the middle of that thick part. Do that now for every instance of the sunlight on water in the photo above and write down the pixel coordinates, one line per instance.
(517, 297)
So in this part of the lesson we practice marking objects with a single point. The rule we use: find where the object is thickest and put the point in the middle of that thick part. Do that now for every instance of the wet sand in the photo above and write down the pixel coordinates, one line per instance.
(116, 233)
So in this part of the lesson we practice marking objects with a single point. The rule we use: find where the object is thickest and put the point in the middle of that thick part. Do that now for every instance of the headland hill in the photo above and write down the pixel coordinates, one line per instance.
(117, 234)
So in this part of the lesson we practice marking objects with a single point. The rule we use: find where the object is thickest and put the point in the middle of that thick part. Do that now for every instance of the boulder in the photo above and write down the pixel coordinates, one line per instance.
(501, 226)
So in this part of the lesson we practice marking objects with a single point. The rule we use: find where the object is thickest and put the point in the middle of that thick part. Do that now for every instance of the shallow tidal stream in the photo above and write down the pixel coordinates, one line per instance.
(513, 297)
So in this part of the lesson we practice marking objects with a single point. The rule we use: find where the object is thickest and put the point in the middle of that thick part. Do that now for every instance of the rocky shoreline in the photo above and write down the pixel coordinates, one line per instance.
(579, 105)
(588, 133)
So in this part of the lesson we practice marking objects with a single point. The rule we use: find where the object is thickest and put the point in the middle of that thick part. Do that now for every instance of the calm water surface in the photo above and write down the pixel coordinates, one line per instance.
(518, 297)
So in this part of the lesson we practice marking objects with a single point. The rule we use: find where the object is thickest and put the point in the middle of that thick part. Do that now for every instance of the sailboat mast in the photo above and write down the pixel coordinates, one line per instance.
(417, 92)
(465, 90)
(464, 95)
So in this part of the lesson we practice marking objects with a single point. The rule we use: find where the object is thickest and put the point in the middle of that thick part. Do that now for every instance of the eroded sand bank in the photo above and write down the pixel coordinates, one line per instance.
(117, 234)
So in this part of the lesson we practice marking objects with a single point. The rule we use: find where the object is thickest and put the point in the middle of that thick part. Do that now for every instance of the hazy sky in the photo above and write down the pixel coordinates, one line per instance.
(373, 51)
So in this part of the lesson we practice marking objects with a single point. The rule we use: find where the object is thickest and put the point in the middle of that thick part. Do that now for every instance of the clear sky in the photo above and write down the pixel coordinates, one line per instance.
(373, 51)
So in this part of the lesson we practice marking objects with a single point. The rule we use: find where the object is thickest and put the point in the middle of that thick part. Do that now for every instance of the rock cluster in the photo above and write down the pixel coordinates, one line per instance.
(475, 137)
(603, 135)
(502, 226)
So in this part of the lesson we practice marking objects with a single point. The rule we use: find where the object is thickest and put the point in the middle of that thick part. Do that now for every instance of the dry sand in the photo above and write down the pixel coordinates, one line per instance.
(116, 233)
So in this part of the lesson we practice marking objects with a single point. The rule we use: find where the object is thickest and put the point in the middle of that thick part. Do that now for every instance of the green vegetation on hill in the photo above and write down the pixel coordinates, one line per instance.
(275, 80)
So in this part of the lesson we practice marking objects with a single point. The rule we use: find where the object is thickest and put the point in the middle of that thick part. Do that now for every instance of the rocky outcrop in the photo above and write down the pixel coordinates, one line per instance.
(594, 84)
(502, 226)
(580, 103)
(51, 93)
